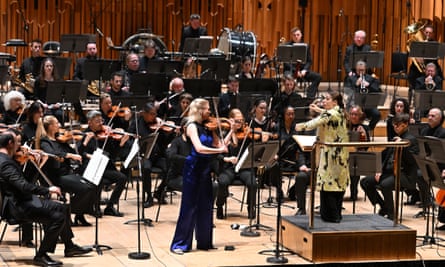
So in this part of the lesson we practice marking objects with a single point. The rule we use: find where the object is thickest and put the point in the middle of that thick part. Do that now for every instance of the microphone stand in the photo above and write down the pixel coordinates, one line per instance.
(139, 255)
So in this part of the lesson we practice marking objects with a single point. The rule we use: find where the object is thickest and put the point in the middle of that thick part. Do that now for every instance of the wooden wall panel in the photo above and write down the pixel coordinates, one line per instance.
(324, 28)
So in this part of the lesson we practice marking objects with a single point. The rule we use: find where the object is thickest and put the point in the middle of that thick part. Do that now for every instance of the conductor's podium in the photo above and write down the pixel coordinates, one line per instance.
(357, 237)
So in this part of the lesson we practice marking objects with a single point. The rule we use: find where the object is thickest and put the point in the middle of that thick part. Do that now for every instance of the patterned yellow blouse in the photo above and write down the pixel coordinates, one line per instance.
(333, 168)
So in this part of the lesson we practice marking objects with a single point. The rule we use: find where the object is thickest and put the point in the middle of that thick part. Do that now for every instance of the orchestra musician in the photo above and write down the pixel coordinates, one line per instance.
(150, 55)
(116, 84)
(231, 99)
(358, 45)
(119, 116)
(384, 180)
(62, 174)
(169, 106)
(184, 102)
(333, 173)
(95, 137)
(246, 68)
(31, 65)
(414, 72)
(132, 66)
(398, 105)
(196, 212)
(34, 114)
(287, 96)
(303, 72)
(356, 117)
(228, 161)
(90, 54)
(22, 202)
(431, 80)
(193, 30)
(362, 83)
(14, 103)
(48, 73)
(148, 123)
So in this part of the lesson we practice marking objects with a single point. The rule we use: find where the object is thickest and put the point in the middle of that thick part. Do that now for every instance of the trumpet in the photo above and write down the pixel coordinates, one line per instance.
(429, 83)
(363, 89)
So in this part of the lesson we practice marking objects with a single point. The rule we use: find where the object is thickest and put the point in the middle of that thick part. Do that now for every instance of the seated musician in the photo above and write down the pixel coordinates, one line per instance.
(14, 103)
(288, 95)
(21, 201)
(169, 106)
(184, 102)
(150, 55)
(384, 180)
(430, 80)
(303, 72)
(35, 113)
(47, 74)
(229, 160)
(148, 123)
(362, 83)
(116, 83)
(229, 100)
(30, 67)
(132, 67)
(261, 122)
(79, 72)
(246, 68)
(95, 136)
(61, 172)
(355, 124)
(120, 117)
(292, 158)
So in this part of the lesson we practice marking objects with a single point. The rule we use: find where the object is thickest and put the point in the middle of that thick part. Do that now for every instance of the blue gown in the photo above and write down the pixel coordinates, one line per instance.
(196, 212)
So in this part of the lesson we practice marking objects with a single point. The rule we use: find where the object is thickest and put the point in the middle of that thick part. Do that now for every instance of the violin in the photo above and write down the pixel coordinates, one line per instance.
(67, 136)
(115, 134)
(166, 126)
(120, 111)
(256, 134)
(212, 124)
(25, 154)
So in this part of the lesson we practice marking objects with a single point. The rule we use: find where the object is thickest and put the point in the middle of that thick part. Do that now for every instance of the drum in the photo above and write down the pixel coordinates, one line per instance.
(136, 42)
(236, 45)
(51, 48)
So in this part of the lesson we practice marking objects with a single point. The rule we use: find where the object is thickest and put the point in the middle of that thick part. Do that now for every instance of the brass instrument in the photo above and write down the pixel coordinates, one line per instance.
(374, 47)
(416, 35)
(363, 89)
(93, 88)
(429, 83)
(28, 85)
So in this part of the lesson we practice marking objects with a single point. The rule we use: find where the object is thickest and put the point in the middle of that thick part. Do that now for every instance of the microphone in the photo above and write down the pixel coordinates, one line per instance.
(340, 14)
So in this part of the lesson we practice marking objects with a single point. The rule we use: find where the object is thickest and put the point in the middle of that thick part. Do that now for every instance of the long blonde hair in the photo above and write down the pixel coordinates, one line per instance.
(196, 109)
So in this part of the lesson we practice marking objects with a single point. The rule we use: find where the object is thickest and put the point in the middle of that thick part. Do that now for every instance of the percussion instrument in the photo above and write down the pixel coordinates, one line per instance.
(237, 44)
(136, 42)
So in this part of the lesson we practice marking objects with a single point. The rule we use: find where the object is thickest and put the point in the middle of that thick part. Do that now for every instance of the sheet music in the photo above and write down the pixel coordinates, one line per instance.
(305, 141)
(96, 167)
(241, 160)
(134, 150)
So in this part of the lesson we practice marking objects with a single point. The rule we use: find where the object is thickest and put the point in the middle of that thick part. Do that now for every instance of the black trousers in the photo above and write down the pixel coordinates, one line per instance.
(331, 203)
(83, 193)
(116, 177)
(226, 178)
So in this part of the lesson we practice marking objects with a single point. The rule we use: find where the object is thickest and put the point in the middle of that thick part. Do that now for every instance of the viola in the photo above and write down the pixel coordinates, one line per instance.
(22, 157)
(119, 111)
(166, 126)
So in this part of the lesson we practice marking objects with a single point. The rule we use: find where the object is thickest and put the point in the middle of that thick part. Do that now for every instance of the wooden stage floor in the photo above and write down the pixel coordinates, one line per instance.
(156, 240)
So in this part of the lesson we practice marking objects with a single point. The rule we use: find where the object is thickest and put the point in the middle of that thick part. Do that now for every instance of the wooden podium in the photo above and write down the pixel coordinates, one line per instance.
(357, 237)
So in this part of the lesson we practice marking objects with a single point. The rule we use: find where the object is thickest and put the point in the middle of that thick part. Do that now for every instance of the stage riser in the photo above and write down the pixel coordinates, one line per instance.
(338, 246)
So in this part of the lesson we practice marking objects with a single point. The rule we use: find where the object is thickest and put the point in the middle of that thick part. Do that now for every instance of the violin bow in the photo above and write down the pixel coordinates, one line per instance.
(217, 119)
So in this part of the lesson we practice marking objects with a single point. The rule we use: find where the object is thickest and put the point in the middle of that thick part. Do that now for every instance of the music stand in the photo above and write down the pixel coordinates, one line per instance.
(263, 154)
(66, 91)
(369, 100)
(373, 59)
(216, 67)
(130, 101)
(173, 68)
(145, 84)
(433, 176)
(155, 66)
(197, 46)
(76, 42)
(202, 88)
(292, 53)
(4, 74)
(63, 65)
(432, 147)
(364, 163)
(100, 69)
(416, 128)
(258, 85)
(427, 50)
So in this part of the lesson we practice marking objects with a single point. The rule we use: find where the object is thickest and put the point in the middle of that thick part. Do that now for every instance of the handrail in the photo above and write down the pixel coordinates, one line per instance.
(398, 145)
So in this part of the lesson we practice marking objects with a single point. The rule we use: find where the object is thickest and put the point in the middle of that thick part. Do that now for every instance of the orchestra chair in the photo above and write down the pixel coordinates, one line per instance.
(12, 221)
(171, 189)
(399, 63)
(242, 201)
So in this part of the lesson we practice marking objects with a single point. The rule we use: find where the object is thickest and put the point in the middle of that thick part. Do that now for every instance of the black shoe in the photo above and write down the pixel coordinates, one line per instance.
(111, 211)
(160, 196)
(420, 214)
(383, 212)
(27, 244)
(148, 203)
(76, 250)
(300, 212)
(46, 260)
(219, 213)
(79, 220)
(413, 198)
